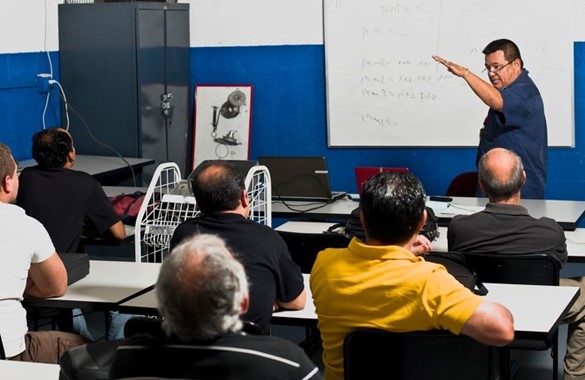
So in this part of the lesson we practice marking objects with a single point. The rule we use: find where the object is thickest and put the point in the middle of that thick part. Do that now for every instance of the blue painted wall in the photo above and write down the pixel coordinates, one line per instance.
(288, 115)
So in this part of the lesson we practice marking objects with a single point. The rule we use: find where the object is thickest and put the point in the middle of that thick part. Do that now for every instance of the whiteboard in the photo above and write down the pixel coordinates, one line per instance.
(384, 89)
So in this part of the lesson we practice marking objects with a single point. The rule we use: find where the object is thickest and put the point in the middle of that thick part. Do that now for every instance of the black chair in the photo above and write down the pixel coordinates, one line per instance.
(530, 269)
(419, 355)
(304, 247)
(463, 185)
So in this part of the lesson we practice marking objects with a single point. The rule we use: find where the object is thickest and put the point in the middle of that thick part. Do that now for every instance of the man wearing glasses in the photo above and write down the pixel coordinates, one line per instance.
(515, 120)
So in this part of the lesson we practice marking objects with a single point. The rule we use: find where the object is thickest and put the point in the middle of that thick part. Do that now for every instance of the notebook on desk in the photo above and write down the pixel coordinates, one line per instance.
(304, 178)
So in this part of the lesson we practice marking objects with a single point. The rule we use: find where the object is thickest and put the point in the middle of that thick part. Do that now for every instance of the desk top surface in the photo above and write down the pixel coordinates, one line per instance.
(566, 213)
(524, 301)
(98, 165)
(575, 239)
(28, 370)
(108, 283)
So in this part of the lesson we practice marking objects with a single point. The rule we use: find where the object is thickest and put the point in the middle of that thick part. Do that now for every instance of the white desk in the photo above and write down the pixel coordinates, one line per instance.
(28, 371)
(337, 210)
(99, 166)
(575, 239)
(537, 309)
(566, 213)
(145, 303)
(575, 242)
(304, 227)
(108, 284)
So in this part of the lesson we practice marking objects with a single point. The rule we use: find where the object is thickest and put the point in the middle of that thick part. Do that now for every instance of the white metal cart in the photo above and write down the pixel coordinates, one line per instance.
(169, 202)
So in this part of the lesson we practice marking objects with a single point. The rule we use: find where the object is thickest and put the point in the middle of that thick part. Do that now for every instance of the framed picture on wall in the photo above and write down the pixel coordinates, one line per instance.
(222, 122)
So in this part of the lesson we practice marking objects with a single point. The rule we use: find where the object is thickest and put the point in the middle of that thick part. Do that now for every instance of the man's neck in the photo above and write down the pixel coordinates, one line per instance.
(240, 211)
(5, 198)
(514, 200)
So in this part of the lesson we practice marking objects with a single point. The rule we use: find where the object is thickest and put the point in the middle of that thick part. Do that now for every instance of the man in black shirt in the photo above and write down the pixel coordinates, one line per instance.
(62, 199)
(276, 281)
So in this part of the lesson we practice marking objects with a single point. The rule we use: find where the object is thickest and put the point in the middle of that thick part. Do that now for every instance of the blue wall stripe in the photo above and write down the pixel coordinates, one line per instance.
(289, 115)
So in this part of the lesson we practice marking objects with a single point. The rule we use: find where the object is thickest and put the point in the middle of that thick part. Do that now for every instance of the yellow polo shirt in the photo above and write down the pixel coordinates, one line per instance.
(384, 287)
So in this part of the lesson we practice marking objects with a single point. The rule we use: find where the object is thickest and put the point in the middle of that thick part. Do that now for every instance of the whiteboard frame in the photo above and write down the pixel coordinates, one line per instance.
(555, 79)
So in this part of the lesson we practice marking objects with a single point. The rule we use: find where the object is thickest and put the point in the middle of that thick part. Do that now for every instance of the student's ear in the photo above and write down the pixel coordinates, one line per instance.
(423, 220)
(363, 219)
(523, 177)
(6, 185)
(245, 305)
(244, 198)
(481, 186)
(71, 156)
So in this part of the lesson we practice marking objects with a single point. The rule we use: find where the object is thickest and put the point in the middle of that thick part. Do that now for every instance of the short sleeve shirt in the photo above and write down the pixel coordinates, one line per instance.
(520, 127)
(64, 201)
(23, 241)
(384, 287)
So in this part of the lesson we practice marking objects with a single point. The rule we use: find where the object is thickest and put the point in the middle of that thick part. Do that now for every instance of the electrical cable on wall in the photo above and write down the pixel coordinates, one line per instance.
(65, 103)
(69, 106)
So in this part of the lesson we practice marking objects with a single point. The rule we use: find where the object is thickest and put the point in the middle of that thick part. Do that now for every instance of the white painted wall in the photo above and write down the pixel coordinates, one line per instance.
(31, 25)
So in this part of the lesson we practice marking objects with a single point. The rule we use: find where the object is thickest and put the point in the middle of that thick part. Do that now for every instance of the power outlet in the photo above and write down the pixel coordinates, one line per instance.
(44, 84)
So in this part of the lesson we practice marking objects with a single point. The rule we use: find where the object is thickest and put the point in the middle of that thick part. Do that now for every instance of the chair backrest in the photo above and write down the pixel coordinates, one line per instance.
(531, 269)
(419, 355)
(304, 247)
(463, 185)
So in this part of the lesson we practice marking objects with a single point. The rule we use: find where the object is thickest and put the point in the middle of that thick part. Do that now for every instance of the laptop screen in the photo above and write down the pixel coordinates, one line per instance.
(298, 178)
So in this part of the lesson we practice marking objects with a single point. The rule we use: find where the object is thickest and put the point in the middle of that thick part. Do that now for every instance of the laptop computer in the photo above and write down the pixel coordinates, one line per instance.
(303, 178)
(362, 173)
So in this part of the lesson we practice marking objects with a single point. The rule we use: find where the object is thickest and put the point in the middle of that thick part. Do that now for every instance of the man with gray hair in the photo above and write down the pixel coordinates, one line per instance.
(202, 291)
(506, 227)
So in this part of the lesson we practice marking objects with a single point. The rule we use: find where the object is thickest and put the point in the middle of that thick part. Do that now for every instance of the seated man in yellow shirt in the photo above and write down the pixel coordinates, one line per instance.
(385, 283)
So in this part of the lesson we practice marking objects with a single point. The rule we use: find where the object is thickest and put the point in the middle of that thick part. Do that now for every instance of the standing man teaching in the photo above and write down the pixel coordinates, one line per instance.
(515, 119)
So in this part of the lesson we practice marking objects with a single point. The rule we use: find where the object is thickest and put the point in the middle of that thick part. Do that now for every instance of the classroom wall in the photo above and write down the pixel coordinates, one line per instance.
(284, 62)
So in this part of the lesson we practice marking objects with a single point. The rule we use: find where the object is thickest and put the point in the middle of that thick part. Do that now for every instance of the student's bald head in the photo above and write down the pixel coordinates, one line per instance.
(501, 174)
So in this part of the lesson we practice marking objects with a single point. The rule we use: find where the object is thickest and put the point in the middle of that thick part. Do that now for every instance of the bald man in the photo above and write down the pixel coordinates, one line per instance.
(506, 227)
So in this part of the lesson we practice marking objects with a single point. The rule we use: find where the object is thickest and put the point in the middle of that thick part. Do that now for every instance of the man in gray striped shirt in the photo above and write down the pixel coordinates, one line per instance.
(202, 291)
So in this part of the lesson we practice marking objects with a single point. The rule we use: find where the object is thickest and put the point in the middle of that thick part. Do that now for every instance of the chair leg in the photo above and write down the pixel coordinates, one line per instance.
(554, 352)
(505, 369)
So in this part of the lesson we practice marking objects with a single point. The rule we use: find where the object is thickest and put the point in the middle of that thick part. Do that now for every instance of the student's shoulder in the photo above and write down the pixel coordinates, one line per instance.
(263, 343)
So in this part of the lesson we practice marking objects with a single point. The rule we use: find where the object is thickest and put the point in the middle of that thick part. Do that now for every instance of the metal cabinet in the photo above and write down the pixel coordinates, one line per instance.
(125, 70)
